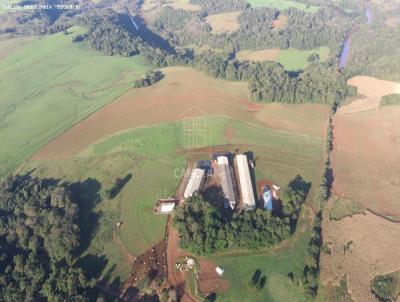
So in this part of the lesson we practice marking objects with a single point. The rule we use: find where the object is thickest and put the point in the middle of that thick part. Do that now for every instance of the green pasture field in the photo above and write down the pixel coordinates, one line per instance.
(275, 265)
(294, 59)
(283, 4)
(49, 85)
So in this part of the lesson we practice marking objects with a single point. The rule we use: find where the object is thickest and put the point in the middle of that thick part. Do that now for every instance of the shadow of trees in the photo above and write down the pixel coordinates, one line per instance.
(216, 197)
(257, 280)
(118, 185)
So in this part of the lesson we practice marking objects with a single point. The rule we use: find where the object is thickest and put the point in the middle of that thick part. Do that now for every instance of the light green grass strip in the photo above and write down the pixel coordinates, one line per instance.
(283, 4)
(294, 59)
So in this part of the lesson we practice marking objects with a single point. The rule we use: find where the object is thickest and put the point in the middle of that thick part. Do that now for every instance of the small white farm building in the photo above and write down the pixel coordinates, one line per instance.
(167, 207)
(226, 180)
(246, 186)
(194, 184)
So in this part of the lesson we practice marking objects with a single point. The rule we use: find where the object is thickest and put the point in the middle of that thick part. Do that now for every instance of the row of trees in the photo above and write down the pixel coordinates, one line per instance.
(204, 230)
(39, 237)
(150, 78)
(390, 99)
(311, 268)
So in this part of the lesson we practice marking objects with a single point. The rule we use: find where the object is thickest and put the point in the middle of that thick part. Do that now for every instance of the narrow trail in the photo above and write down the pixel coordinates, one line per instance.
(173, 253)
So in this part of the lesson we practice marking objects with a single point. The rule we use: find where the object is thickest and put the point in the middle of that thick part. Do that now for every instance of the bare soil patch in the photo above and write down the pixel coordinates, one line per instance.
(224, 23)
(209, 281)
(366, 148)
(258, 55)
(366, 159)
(373, 87)
(280, 22)
(370, 90)
(152, 264)
(183, 4)
(393, 22)
(261, 183)
(360, 247)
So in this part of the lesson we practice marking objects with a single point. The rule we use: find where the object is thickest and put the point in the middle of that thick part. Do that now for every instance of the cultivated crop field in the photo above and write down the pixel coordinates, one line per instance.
(366, 133)
(360, 248)
(63, 84)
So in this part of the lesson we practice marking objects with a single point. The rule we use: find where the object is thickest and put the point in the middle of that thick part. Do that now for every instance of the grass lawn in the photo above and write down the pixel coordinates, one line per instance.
(342, 207)
(49, 85)
(294, 59)
(291, 59)
(275, 265)
(153, 178)
(283, 4)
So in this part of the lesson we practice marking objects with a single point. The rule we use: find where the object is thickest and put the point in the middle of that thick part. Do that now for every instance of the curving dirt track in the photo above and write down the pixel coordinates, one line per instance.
(173, 254)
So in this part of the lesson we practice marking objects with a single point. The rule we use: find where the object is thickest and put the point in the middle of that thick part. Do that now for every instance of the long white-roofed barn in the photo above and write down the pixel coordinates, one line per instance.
(226, 180)
(246, 186)
(195, 182)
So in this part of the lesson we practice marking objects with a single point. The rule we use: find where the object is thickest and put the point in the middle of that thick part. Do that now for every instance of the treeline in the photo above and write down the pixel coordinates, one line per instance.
(150, 78)
(390, 99)
(203, 230)
(311, 268)
(39, 237)
(327, 27)
(269, 82)
(220, 6)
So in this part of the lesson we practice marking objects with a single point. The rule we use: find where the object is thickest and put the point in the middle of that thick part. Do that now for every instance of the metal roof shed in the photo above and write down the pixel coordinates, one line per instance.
(226, 180)
(246, 186)
(167, 207)
(194, 183)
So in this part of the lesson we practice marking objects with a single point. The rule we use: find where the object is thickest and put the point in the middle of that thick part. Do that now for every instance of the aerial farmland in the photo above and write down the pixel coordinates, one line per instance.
(199, 150)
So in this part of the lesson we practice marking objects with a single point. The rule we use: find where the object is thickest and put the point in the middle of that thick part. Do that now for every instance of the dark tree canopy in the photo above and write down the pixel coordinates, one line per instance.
(39, 235)
(203, 229)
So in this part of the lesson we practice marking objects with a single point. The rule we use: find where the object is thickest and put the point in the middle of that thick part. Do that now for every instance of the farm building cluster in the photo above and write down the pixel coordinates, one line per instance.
(230, 179)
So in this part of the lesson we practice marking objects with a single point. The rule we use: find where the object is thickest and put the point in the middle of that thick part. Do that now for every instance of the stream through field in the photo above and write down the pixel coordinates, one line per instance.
(345, 53)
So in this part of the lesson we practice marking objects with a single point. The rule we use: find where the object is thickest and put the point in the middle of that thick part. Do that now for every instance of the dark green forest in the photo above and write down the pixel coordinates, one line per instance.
(39, 236)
